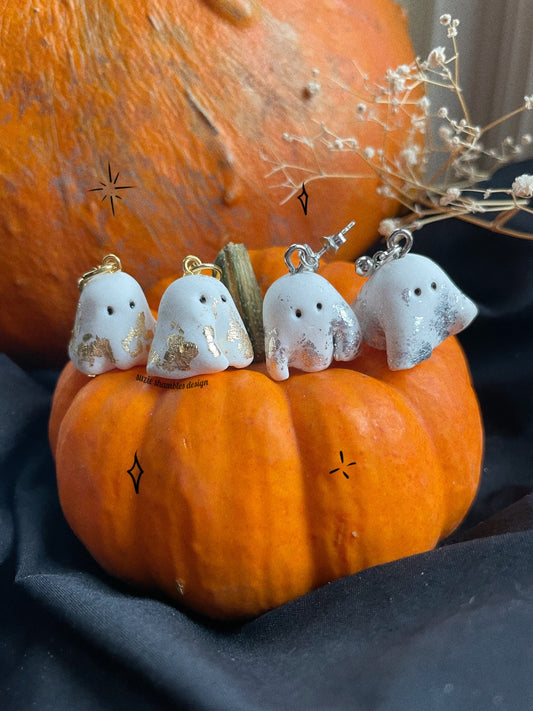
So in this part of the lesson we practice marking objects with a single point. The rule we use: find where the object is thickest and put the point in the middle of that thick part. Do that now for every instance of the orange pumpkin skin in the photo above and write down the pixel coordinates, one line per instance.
(245, 502)
(182, 98)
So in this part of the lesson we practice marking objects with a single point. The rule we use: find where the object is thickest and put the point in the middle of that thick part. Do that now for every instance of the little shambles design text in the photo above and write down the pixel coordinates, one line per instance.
(171, 385)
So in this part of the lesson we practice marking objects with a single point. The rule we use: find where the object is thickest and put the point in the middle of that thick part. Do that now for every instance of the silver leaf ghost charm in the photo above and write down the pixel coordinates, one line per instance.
(409, 306)
(114, 326)
(199, 329)
(307, 325)
(307, 322)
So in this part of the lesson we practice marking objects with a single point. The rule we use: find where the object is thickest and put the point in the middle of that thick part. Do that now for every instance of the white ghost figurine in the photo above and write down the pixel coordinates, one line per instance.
(307, 325)
(114, 326)
(408, 306)
(199, 330)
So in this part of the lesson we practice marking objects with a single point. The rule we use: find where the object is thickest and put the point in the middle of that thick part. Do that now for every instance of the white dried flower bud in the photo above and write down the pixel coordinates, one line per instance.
(445, 19)
(442, 112)
(396, 80)
(361, 108)
(404, 69)
(419, 123)
(387, 226)
(452, 31)
(369, 152)
(522, 186)
(528, 102)
(526, 139)
(437, 57)
(410, 156)
(424, 103)
(451, 195)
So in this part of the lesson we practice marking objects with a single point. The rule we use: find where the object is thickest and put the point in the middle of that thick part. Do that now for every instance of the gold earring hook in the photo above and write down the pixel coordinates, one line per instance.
(110, 264)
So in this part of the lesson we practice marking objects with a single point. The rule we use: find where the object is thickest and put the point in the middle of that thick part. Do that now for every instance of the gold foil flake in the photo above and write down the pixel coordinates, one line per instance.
(273, 343)
(209, 335)
(88, 350)
(178, 356)
(138, 337)
(77, 323)
(237, 334)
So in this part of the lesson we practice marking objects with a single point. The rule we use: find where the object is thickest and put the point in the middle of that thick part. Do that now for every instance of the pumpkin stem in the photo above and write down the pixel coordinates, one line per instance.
(239, 277)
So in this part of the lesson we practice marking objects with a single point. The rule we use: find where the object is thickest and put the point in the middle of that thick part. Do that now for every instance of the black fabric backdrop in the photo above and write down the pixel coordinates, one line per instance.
(450, 629)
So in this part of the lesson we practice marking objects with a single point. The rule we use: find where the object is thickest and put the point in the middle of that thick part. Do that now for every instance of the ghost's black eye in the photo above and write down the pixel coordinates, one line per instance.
(132, 304)
(298, 313)
(223, 298)
(203, 299)
(319, 306)
(418, 291)
(433, 285)
(110, 310)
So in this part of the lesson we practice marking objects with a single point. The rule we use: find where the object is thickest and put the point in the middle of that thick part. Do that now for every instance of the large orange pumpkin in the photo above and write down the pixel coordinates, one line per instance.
(182, 98)
(254, 492)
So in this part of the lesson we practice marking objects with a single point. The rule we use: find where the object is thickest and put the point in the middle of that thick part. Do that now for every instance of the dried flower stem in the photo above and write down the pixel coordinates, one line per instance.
(450, 190)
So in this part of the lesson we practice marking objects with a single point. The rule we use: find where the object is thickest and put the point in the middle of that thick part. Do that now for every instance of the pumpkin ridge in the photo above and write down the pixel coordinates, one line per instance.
(172, 566)
(445, 412)
(403, 455)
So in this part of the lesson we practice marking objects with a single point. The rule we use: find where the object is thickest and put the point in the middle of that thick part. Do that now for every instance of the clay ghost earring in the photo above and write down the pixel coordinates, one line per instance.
(114, 325)
(409, 305)
(199, 329)
(307, 322)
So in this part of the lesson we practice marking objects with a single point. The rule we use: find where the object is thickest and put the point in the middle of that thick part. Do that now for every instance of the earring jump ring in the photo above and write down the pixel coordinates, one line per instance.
(193, 265)
(394, 242)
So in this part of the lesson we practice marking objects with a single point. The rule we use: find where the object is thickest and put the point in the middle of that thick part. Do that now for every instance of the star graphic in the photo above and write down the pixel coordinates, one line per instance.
(136, 472)
(338, 469)
(110, 188)
(303, 197)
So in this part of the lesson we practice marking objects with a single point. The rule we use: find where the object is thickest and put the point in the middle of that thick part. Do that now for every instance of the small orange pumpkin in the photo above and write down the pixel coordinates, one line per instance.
(183, 98)
(234, 493)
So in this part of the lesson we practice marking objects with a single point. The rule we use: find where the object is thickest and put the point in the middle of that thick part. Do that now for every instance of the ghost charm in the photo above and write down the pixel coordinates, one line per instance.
(199, 329)
(114, 326)
(409, 305)
(307, 322)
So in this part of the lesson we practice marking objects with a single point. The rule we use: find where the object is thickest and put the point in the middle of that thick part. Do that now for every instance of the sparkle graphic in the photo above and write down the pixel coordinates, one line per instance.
(110, 188)
(338, 469)
(136, 472)
(303, 197)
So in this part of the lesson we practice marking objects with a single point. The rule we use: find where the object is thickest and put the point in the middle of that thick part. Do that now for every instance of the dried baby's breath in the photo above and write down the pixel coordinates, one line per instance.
(522, 186)
(436, 173)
